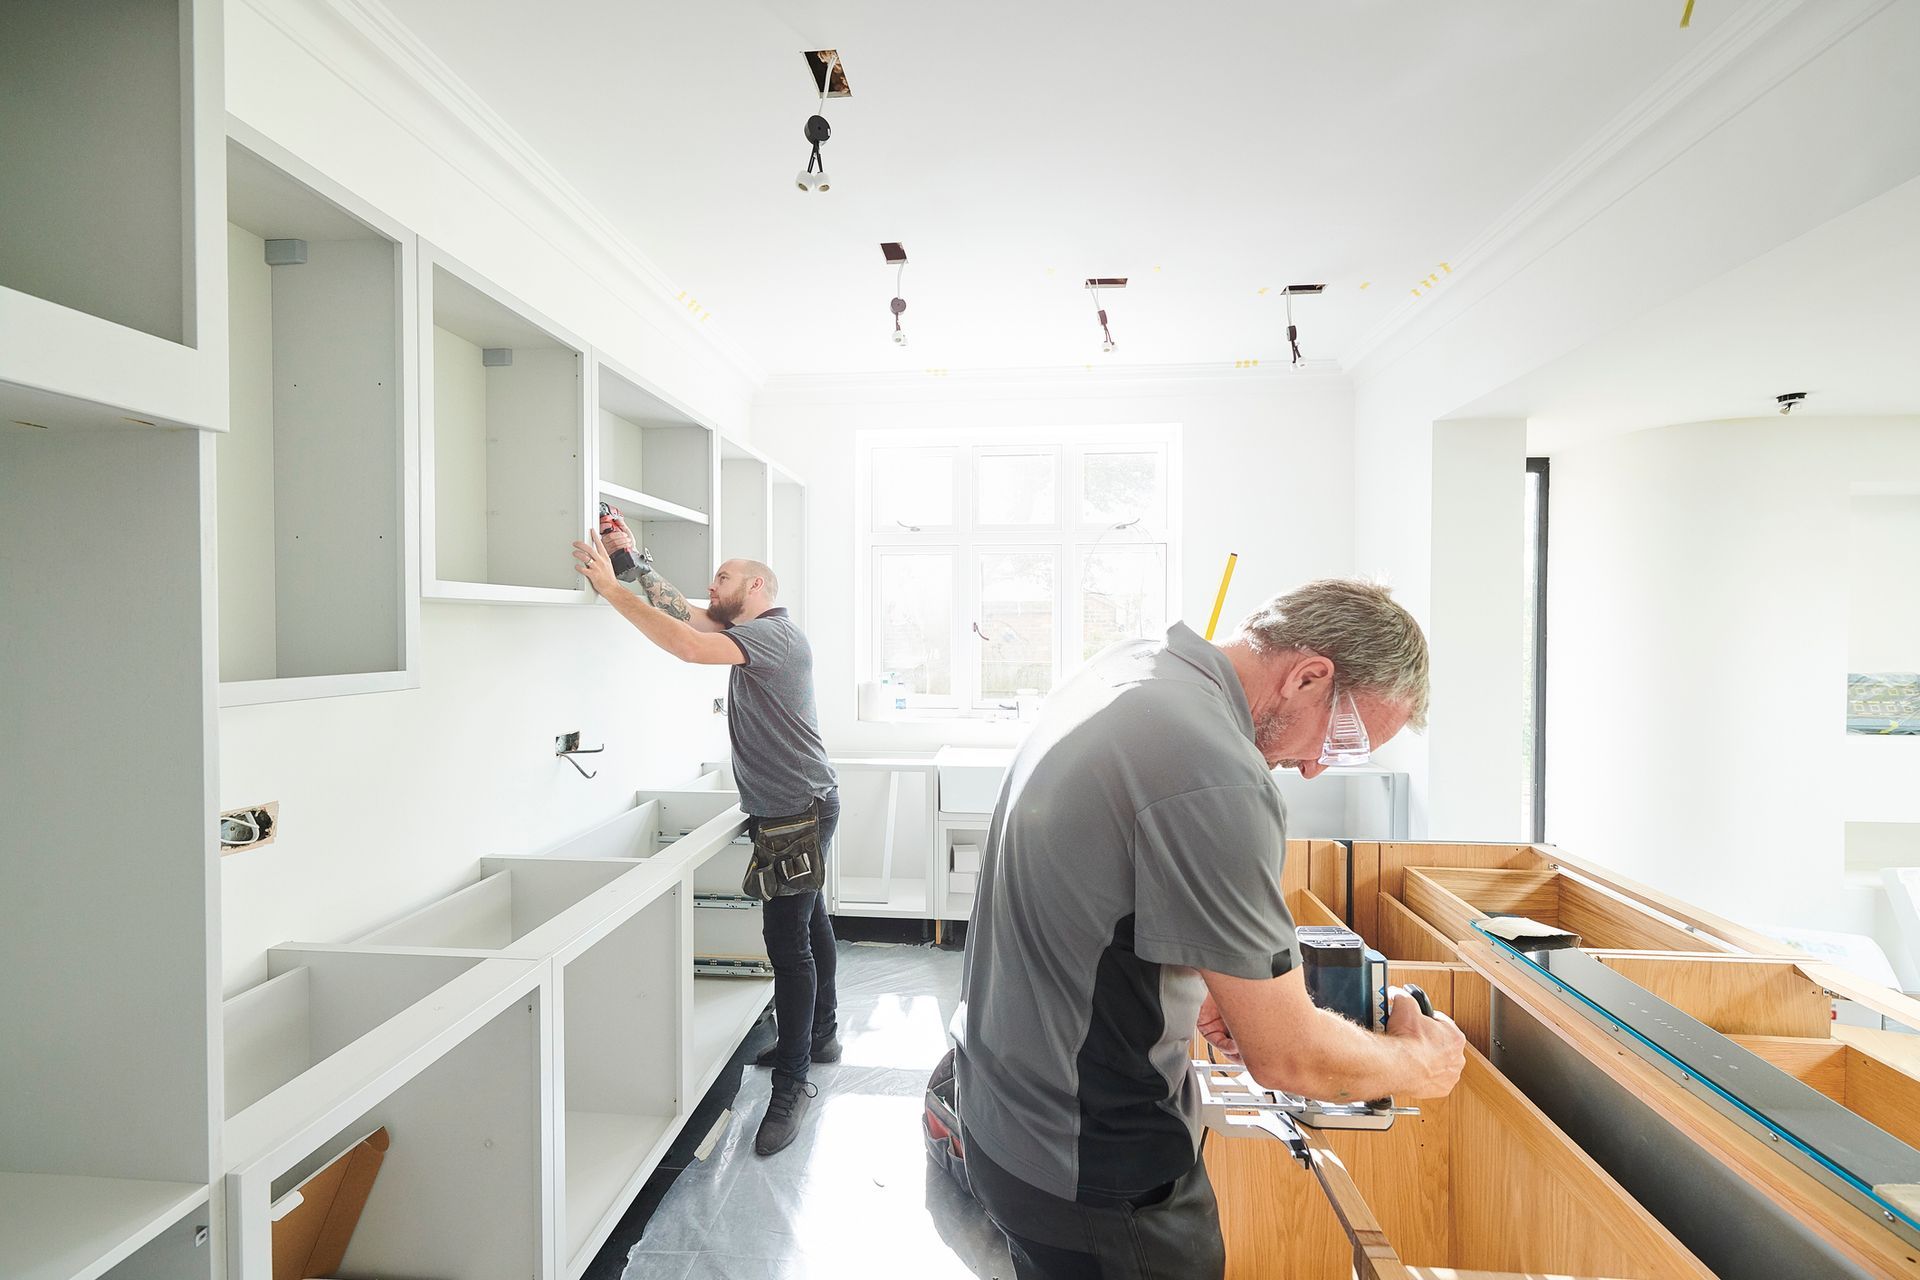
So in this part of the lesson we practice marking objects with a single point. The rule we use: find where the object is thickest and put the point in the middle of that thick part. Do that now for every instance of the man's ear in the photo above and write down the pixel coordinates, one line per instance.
(1305, 674)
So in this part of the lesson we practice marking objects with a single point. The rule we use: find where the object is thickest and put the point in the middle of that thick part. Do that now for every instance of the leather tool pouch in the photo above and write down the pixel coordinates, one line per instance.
(787, 857)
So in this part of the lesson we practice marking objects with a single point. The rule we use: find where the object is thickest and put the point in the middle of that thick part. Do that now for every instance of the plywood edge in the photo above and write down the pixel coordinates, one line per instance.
(1820, 1211)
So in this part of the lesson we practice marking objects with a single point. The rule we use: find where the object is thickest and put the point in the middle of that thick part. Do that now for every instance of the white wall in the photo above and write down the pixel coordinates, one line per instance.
(1477, 632)
(1697, 646)
(387, 799)
(1883, 564)
(1685, 187)
(1266, 473)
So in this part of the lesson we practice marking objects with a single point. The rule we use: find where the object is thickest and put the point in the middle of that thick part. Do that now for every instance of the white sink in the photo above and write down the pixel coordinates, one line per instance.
(970, 777)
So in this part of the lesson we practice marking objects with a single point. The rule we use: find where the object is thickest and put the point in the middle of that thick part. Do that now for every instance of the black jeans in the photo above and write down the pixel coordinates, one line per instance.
(1171, 1231)
(799, 939)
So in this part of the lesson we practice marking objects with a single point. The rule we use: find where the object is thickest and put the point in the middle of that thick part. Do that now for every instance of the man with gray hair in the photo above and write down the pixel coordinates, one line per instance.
(780, 765)
(1130, 896)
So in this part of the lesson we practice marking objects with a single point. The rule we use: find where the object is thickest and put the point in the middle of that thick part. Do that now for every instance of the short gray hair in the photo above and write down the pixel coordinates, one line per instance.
(1375, 645)
(759, 569)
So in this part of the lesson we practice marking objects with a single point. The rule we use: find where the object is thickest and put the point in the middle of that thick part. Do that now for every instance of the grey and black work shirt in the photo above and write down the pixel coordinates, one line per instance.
(779, 760)
(1138, 838)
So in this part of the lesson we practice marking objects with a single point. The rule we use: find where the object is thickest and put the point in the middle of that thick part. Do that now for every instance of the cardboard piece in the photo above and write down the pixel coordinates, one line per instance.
(311, 1240)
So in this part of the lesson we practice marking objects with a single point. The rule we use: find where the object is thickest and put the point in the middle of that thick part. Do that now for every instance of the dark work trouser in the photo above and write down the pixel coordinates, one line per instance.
(799, 939)
(1170, 1233)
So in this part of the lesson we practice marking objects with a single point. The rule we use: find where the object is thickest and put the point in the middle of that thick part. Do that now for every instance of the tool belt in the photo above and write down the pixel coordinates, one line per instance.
(787, 857)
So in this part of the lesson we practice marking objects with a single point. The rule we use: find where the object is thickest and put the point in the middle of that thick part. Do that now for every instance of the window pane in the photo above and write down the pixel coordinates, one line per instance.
(912, 487)
(1119, 487)
(914, 597)
(1123, 595)
(1016, 623)
(1014, 488)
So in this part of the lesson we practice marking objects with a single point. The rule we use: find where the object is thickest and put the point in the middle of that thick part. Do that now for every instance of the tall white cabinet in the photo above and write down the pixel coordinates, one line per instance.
(112, 352)
(247, 420)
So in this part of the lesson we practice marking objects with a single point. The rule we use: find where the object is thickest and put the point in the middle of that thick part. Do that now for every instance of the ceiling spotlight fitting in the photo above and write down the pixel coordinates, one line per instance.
(896, 255)
(1293, 331)
(1790, 401)
(1094, 285)
(814, 176)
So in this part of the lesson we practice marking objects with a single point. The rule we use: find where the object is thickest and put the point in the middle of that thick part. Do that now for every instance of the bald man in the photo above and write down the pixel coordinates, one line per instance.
(780, 765)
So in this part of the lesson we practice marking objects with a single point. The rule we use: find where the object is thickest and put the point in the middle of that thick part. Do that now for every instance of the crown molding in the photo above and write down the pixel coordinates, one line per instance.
(372, 51)
(1761, 45)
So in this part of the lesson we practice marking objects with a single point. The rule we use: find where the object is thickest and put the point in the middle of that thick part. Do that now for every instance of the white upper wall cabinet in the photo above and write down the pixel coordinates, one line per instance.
(787, 539)
(655, 463)
(112, 261)
(504, 444)
(746, 502)
(316, 473)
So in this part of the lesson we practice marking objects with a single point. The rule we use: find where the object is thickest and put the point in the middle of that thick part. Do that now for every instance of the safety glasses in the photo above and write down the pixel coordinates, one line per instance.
(1346, 741)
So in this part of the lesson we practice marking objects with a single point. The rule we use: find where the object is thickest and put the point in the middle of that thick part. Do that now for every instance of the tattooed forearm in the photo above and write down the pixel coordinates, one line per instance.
(662, 595)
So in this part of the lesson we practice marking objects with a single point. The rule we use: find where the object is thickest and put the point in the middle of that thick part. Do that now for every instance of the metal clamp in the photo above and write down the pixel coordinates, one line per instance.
(1235, 1105)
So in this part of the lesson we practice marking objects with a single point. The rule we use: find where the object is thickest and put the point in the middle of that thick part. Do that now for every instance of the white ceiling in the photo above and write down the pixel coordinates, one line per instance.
(1831, 313)
(1017, 148)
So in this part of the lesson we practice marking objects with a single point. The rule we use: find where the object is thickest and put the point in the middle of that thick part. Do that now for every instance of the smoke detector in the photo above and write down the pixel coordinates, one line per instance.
(1790, 401)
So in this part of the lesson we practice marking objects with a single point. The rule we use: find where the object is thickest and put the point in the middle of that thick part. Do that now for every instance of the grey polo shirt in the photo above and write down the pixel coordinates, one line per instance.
(1138, 838)
(779, 760)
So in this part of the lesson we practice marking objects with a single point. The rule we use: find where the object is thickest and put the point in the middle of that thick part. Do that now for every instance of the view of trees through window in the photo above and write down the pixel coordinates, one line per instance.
(995, 570)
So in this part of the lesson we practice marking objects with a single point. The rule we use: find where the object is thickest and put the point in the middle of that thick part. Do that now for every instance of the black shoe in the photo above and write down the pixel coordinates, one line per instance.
(827, 1050)
(785, 1110)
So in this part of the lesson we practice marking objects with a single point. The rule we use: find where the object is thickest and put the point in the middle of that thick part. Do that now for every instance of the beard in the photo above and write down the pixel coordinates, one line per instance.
(1268, 731)
(725, 611)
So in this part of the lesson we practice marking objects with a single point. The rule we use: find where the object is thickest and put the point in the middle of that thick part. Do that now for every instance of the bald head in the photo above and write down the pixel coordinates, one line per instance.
(741, 589)
(751, 569)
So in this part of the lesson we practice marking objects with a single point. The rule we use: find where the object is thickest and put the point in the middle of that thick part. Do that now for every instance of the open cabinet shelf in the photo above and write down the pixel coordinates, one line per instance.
(504, 443)
(318, 1001)
(54, 1227)
(109, 924)
(724, 1009)
(618, 1022)
(655, 462)
(111, 259)
(460, 1082)
(315, 508)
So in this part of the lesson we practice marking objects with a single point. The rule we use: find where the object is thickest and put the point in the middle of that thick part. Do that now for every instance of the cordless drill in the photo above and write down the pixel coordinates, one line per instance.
(625, 567)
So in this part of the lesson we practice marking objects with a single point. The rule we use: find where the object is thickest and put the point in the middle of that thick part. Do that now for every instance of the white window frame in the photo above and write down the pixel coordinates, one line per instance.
(1067, 538)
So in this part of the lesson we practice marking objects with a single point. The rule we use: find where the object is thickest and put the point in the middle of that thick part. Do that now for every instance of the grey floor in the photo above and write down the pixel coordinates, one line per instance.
(855, 1195)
